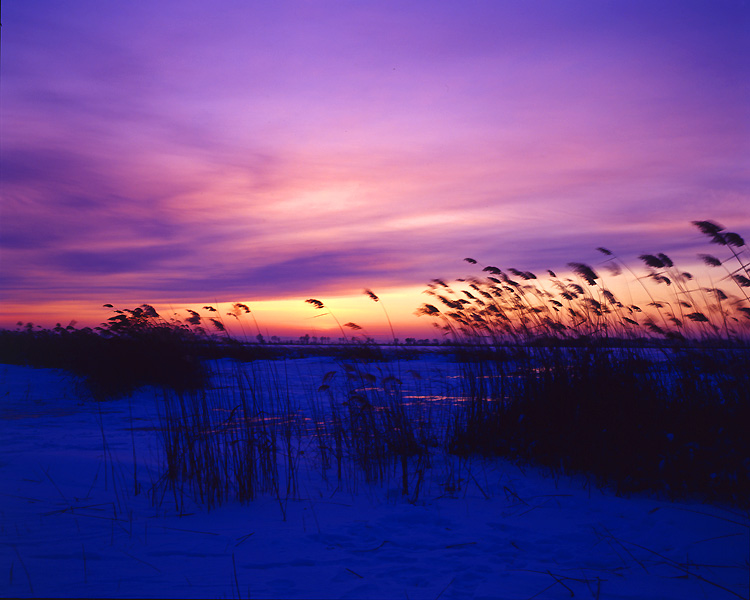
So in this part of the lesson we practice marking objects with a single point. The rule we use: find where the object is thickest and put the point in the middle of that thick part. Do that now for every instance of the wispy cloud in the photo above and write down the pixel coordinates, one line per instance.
(194, 151)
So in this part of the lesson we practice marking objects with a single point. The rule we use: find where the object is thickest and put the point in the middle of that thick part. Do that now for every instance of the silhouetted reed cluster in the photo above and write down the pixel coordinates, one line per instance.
(365, 425)
(232, 441)
(515, 306)
(562, 372)
(135, 347)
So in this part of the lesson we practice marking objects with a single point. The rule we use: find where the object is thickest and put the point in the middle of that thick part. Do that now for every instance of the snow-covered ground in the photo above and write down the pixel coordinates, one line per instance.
(71, 523)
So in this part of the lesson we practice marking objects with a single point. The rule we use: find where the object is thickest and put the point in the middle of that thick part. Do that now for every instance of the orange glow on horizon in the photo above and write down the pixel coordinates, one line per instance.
(290, 318)
(284, 317)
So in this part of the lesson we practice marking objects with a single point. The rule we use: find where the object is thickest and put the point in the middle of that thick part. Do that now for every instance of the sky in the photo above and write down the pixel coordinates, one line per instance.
(190, 153)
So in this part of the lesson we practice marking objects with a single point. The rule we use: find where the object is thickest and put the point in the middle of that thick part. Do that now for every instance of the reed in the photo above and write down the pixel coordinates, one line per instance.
(231, 441)
(563, 373)
(135, 347)
(370, 429)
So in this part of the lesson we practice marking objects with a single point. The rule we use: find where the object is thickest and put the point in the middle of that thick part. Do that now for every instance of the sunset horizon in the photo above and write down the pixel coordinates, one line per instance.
(183, 155)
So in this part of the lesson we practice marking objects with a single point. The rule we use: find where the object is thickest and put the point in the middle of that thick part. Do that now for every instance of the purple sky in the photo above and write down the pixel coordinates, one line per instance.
(192, 152)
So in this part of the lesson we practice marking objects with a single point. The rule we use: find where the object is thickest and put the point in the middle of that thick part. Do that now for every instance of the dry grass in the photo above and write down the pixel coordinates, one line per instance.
(561, 372)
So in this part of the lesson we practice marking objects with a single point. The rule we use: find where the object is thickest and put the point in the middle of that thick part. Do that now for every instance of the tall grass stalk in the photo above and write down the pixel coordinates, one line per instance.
(375, 298)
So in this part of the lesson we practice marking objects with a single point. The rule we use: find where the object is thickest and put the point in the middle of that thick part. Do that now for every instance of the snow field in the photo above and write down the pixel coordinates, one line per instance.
(72, 525)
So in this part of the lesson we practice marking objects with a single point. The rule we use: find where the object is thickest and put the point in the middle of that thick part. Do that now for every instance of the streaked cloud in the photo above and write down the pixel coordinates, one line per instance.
(188, 151)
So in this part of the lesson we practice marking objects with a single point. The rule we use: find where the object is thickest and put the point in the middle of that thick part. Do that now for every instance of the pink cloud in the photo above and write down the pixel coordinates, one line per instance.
(189, 150)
